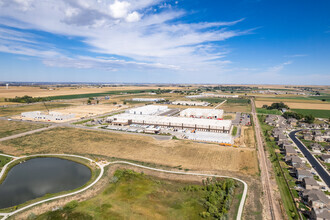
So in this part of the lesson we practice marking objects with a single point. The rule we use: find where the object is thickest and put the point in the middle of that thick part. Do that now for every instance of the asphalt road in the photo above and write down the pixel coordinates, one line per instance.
(316, 165)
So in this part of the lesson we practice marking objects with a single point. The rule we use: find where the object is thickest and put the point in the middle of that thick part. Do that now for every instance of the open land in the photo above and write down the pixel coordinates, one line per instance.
(131, 195)
(8, 128)
(171, 153)
(16, 110)
(14, 91)
(297, 105)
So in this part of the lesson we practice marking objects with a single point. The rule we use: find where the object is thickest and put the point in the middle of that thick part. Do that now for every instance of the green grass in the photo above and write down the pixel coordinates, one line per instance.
(268, 112)
(90, 95)
(288, 202)
(4, 160)
(10, 111)
(315, 112)
(234, 132)
(132, 195)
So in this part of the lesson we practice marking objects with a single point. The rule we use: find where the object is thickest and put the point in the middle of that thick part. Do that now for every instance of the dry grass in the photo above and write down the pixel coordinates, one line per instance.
(172, 153)
(16, 110)
(8, 128)
(37, 92)
(247, 138)
(297, 105)
(235, 107)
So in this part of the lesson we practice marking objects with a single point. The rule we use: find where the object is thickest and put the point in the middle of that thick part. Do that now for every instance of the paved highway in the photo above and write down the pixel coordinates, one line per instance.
(316, 165)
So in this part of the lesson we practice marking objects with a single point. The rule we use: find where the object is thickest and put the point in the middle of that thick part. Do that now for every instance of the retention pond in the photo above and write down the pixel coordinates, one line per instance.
(40, 176)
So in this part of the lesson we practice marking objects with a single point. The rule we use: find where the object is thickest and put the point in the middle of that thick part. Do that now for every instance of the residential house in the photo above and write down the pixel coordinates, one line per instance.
(320, 138)
(280, 137)
(317, 132)
(289, 151)
(317, 148)
(325, 158)
(300, 174)
(308, 137)
(310, 183)
(320, 214)
(292, 160)
(292, 121)
(315, 198)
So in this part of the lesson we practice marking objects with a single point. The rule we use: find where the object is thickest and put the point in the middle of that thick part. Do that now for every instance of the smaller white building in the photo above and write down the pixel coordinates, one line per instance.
(148, 99)
(51, 116)
(210, 137)
(202, 113)
(148, 110)
(190, 103)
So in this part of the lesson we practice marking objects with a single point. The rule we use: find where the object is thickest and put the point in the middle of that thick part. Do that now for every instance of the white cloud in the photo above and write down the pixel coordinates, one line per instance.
(133, 17)
(119, 9)
(117, 27)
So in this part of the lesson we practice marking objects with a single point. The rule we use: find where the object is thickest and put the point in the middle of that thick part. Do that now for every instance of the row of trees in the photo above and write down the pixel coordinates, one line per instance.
(306, 118)
(27, 99)
(217, 198)
(276, 105)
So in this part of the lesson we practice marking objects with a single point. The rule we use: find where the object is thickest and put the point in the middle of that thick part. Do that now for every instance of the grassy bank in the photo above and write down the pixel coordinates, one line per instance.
(132, 195)
(280, 175)
(266, 111)
(3, 161)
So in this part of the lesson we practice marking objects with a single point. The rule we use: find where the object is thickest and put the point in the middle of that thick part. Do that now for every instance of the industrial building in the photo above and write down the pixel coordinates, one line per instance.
(49, 116)
(210, 137)
(190, 103)
(148, 110)
(205, 95)
(198, 124)
(148, 99)
(202, 113)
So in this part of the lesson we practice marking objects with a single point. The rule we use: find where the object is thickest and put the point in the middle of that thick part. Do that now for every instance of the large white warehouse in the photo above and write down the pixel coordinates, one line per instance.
(202, 113)
(148, 110)
(222, 126)
(51, 116)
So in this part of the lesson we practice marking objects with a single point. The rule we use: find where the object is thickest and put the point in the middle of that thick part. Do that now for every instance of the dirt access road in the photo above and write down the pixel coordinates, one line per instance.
(271, 208)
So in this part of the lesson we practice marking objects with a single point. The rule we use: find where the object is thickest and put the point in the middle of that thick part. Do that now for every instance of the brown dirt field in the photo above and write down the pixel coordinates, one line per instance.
(37, 92)
(171, 153)
(297, 105)
(235, 107)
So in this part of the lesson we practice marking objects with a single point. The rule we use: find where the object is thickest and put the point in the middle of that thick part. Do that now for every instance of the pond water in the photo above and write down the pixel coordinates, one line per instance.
(39, 176)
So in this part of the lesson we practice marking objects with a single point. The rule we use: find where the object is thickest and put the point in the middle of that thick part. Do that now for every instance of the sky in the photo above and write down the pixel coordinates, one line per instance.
(159, 41)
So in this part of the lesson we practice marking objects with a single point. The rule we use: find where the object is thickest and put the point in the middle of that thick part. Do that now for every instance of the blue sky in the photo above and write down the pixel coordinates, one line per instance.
(175, 41)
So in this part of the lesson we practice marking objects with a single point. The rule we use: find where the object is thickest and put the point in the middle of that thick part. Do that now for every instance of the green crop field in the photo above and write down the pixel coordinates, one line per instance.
(266, 111)
(132, 195)
(90, 95)
(315, 112)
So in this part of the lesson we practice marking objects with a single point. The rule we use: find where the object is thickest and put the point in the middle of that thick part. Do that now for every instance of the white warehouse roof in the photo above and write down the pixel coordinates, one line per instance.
(148, 110)
(173, 121)
(202, 112)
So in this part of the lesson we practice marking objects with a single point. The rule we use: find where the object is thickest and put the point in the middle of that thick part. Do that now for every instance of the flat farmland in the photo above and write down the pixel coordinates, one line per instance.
(8, 128)
(16, 110)
(297, 105)
(315, 112)
(14, 91)
(173, 153)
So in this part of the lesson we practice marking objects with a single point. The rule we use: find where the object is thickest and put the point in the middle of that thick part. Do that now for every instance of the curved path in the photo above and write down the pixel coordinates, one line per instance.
(316, 164)
(6, 215)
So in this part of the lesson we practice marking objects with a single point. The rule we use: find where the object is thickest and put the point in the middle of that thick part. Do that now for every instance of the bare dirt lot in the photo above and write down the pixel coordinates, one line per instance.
(247, 138)
(190, 155)
(84, 110)
(297, 105)
(14, 91)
